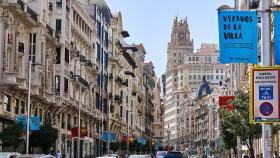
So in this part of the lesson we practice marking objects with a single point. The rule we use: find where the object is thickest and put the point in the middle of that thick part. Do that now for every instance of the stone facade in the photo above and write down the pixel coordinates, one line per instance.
(81, 68)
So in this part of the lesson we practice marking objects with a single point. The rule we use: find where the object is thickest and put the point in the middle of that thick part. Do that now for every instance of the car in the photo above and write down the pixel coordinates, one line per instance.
(161, 154)
(109, 156)
(139, 156)
(192, 156)
(9, 155)
(36, 156)
(174, 154)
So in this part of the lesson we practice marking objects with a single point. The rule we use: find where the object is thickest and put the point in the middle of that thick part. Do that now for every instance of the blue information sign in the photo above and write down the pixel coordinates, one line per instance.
(277, 37)
(35, 123)
(238, 36)
(266, 92)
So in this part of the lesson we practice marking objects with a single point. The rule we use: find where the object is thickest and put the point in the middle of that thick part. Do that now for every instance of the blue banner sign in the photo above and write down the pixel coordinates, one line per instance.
(142, 141)
(112, 136)
(238, 36)
(21, 119)
(277, 37)
(34, 123)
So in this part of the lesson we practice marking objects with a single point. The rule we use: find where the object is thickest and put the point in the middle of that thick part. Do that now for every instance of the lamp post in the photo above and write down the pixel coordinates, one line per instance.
(128, 131)
(28, 105)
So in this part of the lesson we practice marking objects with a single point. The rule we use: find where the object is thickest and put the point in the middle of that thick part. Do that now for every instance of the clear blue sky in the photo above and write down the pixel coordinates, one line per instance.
(150, 22)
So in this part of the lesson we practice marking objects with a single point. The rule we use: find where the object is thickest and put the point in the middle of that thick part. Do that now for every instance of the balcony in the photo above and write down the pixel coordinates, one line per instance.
(118, 99)
(50, 30)
(33, 15)
(125, 83)
(81, 80)
(88, 63)
(82, 58)
(8, 79)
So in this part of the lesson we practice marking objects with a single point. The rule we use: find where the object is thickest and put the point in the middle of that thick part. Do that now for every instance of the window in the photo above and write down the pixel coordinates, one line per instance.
(217, 70)
(98, 29)
(199, 77)
(98, 51)
(58, 26)
(193, 58)
(7, 103)
(41, 114)
(59, 3)
(222, 70)
(57, 85)
(205, 58)
(218, 58)
(22, 107)
(197, 58)
(58, 54)
(97, 100)
(190, 77)
(181, 77)
(174, 54)
(106, 39)
(66, 56)
(222, 77)
(194, 77)
(126, 116)
(121, 111)
(211, 77)
(190, 58)
(17, 107)
(209, 58)
(66, 85)
(217, 77)
(178, 96)
(32, 47)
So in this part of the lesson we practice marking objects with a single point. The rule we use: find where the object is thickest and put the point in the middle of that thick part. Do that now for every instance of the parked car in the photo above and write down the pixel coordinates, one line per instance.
(9, 155)
(174, 154)
(161, 154)
(109, 156)
(36, 156)
(139, 156)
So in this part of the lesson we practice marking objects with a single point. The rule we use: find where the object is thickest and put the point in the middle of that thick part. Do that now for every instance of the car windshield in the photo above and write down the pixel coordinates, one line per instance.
(161, 153)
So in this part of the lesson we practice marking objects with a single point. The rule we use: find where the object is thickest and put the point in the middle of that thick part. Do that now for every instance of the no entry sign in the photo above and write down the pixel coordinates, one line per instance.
(264, 98)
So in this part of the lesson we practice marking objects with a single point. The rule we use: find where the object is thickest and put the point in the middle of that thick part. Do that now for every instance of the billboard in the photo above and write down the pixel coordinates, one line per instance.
(238, 36)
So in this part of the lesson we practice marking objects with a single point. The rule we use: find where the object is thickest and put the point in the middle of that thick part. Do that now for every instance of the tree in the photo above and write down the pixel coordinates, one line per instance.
(236, 123)
(11, 136)
(44, 138)
(114, 146)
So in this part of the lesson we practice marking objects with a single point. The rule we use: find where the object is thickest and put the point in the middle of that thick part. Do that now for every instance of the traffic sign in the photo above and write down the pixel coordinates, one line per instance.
(264, 98)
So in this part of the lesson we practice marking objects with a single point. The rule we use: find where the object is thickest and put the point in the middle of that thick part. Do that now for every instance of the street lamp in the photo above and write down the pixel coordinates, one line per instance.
(128, 131)
(28, 104)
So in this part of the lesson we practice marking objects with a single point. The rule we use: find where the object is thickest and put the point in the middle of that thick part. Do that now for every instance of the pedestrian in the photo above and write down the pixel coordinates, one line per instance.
(58, 154)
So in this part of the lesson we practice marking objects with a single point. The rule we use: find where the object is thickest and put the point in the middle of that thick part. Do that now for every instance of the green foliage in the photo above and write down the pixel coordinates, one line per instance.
(114, 146)
(123, 145)
(236, 123)
(45, 137)
(11, 136)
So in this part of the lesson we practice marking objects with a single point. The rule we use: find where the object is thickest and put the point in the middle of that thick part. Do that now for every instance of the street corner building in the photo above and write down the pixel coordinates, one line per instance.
(84, 76)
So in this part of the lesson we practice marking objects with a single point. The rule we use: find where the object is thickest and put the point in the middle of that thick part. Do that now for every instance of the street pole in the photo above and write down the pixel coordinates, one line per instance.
(79, 124)
(266, 61)
(128, 134)
(28, 107)
(237, 75)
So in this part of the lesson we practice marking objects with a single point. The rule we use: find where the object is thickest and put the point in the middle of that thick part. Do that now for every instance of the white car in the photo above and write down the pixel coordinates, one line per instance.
(139, 156)
(9, 155)
(36, 156)
(161, 154)
(109, 156)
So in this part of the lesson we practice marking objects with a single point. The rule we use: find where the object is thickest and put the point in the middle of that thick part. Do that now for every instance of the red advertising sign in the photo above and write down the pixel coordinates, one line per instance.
(74, 132)
(224, 101)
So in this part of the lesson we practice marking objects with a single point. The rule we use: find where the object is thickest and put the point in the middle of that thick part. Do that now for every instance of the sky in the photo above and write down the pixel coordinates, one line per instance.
(150, 22)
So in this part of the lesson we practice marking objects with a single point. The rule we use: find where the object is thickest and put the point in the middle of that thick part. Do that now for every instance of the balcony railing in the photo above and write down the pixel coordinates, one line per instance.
(33, 15)
(50, 30)
(118, 99)
(21, 4)
(81, 80)
(88, 63)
